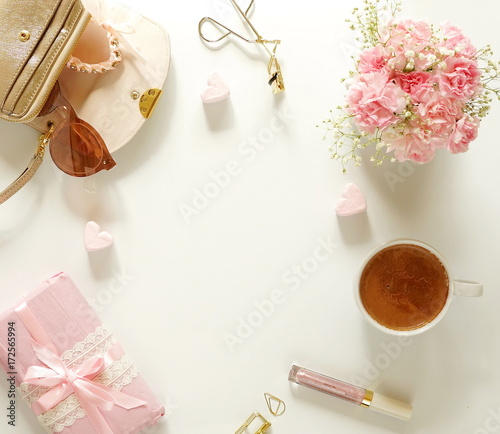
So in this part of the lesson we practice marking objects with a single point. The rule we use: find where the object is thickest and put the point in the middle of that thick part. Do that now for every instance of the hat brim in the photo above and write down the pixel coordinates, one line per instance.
(110, 101)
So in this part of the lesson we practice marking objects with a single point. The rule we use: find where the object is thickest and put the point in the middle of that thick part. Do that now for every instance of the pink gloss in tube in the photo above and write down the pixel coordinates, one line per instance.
(349, 392)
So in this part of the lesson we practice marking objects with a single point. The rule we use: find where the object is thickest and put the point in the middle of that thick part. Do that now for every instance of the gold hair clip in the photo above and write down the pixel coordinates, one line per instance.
(263, 428)
(273, 67)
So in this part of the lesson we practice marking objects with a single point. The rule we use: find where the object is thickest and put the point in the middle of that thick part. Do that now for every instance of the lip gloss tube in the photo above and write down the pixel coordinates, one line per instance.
(349, 392)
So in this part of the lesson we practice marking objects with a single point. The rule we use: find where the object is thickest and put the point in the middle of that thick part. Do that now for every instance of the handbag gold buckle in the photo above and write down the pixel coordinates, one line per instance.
(148, 102)
(265, 424)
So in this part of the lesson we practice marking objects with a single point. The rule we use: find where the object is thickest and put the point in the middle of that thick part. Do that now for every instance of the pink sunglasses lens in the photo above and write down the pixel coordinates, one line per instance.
(78, 150)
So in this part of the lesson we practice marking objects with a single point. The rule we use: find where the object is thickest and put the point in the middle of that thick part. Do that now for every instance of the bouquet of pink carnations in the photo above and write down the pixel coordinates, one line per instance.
(415, 89)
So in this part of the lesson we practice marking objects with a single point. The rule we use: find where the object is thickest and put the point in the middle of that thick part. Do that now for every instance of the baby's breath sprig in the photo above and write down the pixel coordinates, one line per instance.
(490, 72)
(480, 105)
(366, 21)
(348, 141)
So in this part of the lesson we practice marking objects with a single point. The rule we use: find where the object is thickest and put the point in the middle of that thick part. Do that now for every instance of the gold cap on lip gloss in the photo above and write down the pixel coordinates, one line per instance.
(367, 399)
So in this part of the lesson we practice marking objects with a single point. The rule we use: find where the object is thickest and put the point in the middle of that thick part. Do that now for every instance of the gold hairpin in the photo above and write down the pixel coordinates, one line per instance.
(263, 428)
(273, 67)
(275, 405)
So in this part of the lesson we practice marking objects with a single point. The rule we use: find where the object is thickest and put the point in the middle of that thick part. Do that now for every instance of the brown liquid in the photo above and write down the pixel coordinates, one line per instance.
(404, 287)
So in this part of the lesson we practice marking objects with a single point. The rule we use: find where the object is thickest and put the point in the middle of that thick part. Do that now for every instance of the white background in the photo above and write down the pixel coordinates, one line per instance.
(182, 285)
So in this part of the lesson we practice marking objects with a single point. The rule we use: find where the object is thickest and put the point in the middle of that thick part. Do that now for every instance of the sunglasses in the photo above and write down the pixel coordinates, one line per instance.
(75, 146)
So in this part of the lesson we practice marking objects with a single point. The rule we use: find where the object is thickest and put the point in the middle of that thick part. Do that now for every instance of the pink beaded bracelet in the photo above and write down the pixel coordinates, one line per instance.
(115, 58)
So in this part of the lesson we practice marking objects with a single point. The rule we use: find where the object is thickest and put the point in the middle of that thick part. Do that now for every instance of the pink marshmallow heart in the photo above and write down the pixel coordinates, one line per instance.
(95, 239)
(352, 201)
(216, 90)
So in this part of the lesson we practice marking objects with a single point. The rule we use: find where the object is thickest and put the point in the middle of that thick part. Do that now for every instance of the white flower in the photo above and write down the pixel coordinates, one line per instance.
(446, 52)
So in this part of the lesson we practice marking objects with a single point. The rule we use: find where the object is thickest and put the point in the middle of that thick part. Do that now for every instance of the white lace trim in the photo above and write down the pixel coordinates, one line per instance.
(116, 376)
(96, 343)
(119, 374)
(62, 415)
(31, 393)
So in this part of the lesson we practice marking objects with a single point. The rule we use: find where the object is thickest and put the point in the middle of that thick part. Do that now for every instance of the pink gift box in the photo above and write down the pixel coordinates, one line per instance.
(55, 323)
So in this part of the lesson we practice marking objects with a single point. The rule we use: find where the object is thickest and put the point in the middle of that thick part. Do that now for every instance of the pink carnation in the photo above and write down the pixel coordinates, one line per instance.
(375, 102)
(454, 38)
(373, 59)
(425, 92)
(464, 132)
(408, 34)
(439, 115)
(413, 82)
(404, 37)
(460, 79)
(412, 144)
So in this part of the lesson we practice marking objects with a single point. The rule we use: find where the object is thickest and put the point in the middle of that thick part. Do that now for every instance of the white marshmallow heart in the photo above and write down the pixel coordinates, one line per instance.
(95, 239)
(216, 90)
(352, 201)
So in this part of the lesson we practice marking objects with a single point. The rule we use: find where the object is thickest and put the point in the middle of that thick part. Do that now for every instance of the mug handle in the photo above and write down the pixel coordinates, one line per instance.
(467, 288)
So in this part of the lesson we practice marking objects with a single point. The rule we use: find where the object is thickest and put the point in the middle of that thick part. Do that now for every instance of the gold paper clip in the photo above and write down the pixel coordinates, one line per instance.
(273, 67)
(265, 424)
(275, 405)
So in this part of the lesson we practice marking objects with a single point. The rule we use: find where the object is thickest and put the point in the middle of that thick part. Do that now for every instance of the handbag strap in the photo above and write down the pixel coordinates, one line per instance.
(33, 166)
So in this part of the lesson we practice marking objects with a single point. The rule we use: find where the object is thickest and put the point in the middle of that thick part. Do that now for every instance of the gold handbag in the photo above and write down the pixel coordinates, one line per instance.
(36, 41)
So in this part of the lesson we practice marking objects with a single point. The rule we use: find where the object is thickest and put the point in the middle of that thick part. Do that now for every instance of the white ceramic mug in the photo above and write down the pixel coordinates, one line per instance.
(455, 287)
